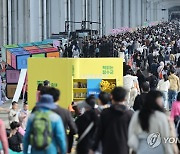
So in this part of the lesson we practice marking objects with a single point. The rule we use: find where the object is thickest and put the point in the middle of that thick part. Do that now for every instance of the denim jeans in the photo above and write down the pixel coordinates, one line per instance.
(165, 96)
(172, 97)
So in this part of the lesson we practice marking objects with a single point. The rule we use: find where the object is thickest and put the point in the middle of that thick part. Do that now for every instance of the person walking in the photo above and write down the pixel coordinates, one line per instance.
(65, 115)
(103, 101)
(153, 81)
(75, 51)
(129, 83)
(141, 78)
(67, 119)
(175, 111)
(150, 60)
(174, 87)
(163, 86)
(175, 117)
(113, 127)
(150, 120)
(140, 99)
(87, 125)
(160, 70)
(40, 86)
(3, 92)
(43, 121)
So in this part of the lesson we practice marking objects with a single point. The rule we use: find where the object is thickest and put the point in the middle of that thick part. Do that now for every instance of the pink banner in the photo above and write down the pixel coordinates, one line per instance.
(56, 43)
(120, 30)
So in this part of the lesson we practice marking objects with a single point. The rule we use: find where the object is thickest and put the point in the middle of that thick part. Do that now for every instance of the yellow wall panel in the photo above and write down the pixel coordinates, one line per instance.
(61, 71)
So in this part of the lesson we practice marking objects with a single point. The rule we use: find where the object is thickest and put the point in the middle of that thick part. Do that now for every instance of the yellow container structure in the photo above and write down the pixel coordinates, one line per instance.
(62, 72)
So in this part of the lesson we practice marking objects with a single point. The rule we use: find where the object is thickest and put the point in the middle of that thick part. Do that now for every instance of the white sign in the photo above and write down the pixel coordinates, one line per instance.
(20, 85)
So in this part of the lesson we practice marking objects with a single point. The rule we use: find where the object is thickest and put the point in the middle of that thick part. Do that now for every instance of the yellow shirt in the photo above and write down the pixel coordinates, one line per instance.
(174, 82)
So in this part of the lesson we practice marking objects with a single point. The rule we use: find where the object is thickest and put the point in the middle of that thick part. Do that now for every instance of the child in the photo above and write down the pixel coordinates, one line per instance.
(13, 113)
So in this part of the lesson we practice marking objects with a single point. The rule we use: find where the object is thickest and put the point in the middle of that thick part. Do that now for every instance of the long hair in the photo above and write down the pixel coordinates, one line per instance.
(148, 109)
(165, 76)
(139, 73)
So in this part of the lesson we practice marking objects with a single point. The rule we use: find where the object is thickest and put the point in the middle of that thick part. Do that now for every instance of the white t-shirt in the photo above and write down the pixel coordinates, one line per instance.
(76, 53)
(140, 49)
(128, 81)
(163, 85)
(13, 116)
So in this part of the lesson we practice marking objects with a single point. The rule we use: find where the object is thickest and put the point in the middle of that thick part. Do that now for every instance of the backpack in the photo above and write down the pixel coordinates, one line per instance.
(41, 131)
(153, 81)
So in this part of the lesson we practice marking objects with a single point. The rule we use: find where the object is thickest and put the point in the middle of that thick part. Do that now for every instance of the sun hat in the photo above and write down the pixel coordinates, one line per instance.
(46, 101)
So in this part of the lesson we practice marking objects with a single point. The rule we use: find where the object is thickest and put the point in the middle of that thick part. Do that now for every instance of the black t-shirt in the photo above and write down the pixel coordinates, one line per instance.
(153, 81)
(15, 141)
(139, 101)
(82, 123)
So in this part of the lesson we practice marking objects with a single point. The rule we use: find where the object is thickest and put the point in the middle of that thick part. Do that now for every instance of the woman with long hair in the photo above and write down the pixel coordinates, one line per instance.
(148, 125)
(141, 78)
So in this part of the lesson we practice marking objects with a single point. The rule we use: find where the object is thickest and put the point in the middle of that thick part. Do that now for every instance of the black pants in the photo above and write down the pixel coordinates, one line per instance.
(70, 138)
(25, 96)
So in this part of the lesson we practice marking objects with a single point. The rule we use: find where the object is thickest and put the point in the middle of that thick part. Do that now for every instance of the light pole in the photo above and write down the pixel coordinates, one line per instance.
(163, 12)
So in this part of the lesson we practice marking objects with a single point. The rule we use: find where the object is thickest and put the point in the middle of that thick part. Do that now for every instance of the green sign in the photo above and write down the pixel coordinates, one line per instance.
(39, 82)
(53, 85)
(107, 70)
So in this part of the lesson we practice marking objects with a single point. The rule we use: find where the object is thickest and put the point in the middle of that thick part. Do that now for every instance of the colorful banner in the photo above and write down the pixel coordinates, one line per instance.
(120, 30)
(128, 29)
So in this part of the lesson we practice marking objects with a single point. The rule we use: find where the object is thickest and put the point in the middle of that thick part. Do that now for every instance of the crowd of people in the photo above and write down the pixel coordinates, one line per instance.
(161, 40)
(130, 119)
(157, 63)
(104, 125)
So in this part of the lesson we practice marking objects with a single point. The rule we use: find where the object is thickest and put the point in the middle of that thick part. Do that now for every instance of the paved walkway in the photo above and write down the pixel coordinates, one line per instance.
(4, 115)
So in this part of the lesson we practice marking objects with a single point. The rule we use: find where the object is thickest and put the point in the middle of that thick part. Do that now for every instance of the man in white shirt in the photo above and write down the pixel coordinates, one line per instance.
(13, 113)
(75, 52)
(129, 83)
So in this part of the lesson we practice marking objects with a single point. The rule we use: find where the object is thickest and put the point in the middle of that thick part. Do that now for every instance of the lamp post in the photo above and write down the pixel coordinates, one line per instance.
(163, 12)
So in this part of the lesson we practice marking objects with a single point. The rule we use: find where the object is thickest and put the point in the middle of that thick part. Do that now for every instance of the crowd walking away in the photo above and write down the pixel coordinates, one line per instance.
(141, 117)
